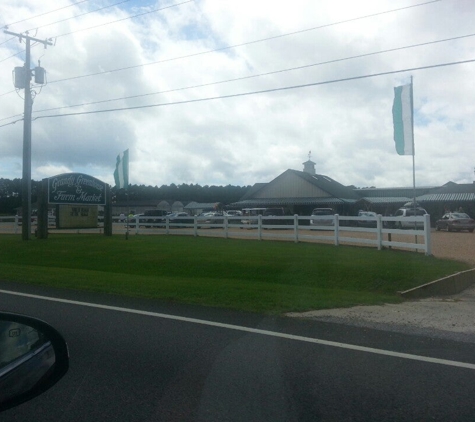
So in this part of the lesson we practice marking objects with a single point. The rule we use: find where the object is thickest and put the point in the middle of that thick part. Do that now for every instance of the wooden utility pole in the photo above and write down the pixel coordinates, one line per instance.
(26, 176)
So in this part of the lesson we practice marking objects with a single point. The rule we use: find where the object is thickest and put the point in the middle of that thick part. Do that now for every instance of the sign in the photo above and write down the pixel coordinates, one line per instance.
(77, 216)
(76, 188)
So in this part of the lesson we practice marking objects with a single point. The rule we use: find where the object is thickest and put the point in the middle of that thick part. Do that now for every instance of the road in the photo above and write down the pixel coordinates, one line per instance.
(141, 360)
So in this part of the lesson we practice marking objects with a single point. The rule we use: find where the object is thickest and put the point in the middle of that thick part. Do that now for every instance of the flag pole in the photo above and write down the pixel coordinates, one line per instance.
(127, 196)
(413, 147)
(128, 213)
(413, 158)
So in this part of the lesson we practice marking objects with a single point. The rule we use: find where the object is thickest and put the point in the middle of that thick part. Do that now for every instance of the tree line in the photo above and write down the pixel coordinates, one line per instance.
(10, 194)
(184, 193)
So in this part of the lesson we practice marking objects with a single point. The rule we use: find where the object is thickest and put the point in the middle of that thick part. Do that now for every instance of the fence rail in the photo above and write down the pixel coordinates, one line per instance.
(390, 232)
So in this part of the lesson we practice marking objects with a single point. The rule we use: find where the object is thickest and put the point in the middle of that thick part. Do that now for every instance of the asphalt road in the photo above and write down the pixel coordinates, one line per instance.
(228, 366)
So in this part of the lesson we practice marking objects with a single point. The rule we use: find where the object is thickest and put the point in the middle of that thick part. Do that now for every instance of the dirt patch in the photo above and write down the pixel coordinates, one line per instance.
(454, 245)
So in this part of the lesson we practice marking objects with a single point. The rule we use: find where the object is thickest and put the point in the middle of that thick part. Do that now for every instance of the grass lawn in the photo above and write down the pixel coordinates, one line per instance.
(265, 276)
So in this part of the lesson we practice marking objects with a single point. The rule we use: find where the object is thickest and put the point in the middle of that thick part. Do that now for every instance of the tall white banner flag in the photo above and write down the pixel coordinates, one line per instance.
(403, 120)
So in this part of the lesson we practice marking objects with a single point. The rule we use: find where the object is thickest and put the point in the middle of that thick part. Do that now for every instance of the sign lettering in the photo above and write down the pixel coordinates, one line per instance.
(76, 188)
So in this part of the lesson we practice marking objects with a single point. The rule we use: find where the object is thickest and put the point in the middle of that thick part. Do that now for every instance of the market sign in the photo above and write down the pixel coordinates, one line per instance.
(76, 188)
(77, 216)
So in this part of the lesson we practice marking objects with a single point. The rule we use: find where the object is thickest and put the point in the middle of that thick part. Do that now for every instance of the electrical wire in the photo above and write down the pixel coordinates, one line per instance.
(9, 39)
(250, 76)
(264, 91)
(11, 123)
(9, 57)
(253, 76)
(86, 13)
(243, 44)
(238, 45)
(129, 17)
(80, 15)
(46, 13)
(222, 48)
(62, 20)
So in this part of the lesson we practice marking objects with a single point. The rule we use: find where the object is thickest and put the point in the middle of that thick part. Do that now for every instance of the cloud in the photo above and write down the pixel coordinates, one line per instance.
(243, 140)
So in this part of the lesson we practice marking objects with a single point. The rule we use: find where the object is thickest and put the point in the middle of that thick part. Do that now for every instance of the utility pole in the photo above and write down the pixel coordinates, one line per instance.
(25, 84)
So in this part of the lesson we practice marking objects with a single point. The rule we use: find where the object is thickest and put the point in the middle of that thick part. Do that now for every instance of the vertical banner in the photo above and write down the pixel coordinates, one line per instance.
(121, 173)
(403, 120)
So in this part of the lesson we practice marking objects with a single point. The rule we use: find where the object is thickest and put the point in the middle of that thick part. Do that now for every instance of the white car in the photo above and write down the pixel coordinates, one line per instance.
(318, 214)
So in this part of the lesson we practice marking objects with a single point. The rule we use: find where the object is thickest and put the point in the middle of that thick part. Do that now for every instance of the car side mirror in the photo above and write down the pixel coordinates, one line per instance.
(33, 357)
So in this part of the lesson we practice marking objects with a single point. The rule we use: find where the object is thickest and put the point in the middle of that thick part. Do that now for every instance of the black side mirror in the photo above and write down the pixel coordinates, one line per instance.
(33, 357)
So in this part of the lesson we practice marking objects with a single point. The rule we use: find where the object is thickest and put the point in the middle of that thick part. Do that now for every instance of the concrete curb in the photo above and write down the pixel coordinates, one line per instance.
(446, 286)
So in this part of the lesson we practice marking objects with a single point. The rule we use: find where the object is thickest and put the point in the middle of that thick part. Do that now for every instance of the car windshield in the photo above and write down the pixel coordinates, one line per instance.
(323, 212)
(459, 215)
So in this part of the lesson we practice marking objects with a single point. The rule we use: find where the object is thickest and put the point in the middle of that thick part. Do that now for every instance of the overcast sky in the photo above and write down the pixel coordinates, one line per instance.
(181, 59)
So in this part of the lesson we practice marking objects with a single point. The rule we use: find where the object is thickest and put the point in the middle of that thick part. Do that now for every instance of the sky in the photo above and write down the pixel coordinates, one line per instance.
(219, 92)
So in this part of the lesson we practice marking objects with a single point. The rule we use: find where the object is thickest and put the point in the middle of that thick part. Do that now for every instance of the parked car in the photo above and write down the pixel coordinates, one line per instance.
(154, 217)
(370, 222)
(177, 218)
(409, 212)
(455, 221)
(234, 213)
(274, 212)
(251, 215)
(317, 215)
(211, 217)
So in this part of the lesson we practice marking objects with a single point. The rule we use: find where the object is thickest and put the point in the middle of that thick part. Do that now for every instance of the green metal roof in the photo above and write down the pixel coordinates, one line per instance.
(447, 197)
(290, 201)
(392, 192)
(388, 200)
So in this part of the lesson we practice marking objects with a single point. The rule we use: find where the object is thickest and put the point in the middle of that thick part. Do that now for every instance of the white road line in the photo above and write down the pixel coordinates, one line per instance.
(254, 331)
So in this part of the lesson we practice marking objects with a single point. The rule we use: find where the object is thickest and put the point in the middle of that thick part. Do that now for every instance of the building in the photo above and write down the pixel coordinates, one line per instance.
(299, 192)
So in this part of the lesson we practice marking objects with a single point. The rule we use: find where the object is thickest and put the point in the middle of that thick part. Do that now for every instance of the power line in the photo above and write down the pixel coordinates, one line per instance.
(62, 20)
(46, 13)
(9, 57)
(82, 14)
(242, 44)
(221, 48)
(13, 55)
(255, 76)
(264, 91)
(9, 39)
(130, 17)
(250, 76)
(239, 45)
(11, 123)
(96, 26)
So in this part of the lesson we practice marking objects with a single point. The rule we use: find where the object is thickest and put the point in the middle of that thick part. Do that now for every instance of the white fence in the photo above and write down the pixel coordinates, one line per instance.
(376, 231)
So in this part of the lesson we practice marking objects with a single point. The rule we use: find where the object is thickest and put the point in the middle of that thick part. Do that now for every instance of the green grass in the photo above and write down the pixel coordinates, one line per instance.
(266, 276)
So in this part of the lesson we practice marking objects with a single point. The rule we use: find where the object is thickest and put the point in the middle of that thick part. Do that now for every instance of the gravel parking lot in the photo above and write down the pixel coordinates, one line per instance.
(454, 245)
